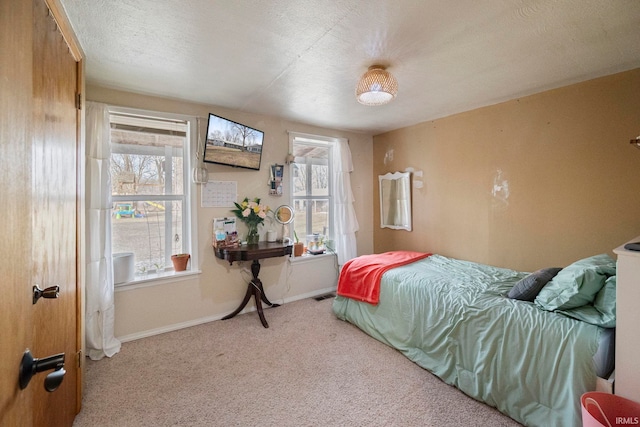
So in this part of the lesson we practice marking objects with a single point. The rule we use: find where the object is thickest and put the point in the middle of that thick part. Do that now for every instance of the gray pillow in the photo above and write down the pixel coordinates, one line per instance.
(528, 288)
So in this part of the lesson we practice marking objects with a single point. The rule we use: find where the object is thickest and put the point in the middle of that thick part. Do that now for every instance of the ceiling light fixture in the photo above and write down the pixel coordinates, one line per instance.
(376, 87)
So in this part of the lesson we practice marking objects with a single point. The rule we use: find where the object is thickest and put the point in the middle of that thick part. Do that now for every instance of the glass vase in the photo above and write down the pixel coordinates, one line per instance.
(253, 237)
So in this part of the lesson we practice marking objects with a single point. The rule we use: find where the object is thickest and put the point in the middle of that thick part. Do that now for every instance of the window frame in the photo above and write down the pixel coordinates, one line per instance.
(189, 207)
(329, 144)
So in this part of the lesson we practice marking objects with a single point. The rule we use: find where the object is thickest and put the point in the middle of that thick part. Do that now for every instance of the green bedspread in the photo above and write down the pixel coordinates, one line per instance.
(453, 318)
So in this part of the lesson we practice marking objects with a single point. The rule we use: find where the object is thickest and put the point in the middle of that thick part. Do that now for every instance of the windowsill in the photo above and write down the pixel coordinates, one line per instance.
(310, 258)
(157, 279)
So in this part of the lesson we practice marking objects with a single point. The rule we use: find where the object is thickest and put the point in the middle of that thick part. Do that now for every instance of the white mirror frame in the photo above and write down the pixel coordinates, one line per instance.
(289, 212)
(395, 200)
(286, 211)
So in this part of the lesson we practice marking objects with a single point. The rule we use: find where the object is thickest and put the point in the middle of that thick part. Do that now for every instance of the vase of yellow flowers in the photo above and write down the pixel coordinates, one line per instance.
(252, 213)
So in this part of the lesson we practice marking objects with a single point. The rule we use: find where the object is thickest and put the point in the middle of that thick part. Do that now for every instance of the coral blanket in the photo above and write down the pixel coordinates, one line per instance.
(360, 277)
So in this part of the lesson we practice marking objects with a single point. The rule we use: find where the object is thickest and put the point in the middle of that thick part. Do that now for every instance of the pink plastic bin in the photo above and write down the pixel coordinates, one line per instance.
(608, 410)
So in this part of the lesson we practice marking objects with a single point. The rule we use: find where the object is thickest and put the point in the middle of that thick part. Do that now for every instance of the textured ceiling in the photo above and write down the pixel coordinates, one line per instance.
(300, 59)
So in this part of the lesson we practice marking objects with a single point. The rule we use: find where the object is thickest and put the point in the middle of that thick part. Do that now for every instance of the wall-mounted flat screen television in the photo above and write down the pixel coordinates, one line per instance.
(232, 144)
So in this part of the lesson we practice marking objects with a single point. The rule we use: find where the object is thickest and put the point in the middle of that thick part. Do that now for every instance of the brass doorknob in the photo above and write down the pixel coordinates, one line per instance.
(50, 292)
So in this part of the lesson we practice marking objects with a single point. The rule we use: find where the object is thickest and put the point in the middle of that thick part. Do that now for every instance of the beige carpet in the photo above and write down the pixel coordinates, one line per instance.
(307, 369)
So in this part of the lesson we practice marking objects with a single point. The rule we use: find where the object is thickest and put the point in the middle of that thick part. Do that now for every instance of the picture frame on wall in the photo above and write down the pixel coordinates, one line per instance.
(277, 173)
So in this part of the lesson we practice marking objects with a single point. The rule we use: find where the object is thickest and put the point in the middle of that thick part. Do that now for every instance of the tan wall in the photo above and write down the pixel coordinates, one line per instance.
(573, 177)
(220, 288)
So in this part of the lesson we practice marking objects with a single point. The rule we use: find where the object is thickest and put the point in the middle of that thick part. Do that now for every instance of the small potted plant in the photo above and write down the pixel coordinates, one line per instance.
(180, 261)
(298, 247)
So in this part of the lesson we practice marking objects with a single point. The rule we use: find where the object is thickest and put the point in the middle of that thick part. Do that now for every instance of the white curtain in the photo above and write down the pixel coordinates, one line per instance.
(345, 221)
(100, 339)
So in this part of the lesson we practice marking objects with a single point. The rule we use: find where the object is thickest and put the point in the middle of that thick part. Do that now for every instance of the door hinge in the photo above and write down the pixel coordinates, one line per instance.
(79, 101)
(79, 356)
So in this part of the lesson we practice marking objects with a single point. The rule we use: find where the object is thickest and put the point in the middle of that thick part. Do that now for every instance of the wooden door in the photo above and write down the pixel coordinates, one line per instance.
(15, 228)
(54, 169)
(39, 165)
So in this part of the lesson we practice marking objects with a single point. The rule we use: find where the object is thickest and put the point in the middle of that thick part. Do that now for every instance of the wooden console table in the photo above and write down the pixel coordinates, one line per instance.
(254, 288)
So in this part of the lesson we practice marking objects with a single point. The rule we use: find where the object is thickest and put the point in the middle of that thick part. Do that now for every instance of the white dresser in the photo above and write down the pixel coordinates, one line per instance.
(627, 382)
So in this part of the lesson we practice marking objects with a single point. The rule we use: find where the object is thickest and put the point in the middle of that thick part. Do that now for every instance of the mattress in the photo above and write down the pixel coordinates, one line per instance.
(453, 318)
(605, 357)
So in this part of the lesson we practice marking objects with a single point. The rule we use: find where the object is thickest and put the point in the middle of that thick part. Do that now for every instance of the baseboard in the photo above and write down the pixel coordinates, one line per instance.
(203, 320)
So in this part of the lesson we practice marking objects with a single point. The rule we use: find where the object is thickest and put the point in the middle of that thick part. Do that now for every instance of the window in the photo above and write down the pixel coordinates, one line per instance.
(321, 192)
(150, 189)
(311, 187)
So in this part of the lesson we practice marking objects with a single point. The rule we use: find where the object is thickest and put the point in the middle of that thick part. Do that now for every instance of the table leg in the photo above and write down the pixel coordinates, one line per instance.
(255, 270)
(244, 302)
(263, 296)
(258, 297)
(256, 289)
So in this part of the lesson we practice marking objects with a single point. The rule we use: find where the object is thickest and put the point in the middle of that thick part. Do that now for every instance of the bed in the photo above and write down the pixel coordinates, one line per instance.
(532, 359)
